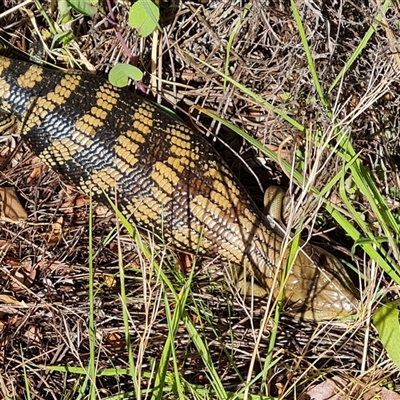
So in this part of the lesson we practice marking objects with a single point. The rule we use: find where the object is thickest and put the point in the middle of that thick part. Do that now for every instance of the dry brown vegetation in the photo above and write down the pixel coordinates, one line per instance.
(44, 261)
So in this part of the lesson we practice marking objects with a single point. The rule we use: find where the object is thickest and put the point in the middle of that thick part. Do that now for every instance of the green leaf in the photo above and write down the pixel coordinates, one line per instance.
(85, 7)
(120, 73)
(144, 16)
(386, 321)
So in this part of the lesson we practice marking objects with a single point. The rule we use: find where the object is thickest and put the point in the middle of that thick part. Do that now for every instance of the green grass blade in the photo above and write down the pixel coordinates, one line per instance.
(252, 95)
(202, 348)
(361, 45)
(26, 378)
(125, 316)
(92, 322)
(310, 61)
(232, 36)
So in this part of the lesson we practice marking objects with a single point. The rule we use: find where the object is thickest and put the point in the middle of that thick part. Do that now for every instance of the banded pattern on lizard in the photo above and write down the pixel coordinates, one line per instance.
(167, 178)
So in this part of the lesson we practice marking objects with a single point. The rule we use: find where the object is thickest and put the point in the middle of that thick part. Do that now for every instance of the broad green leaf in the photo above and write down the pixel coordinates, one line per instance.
(386, 321)
(120, 73)
(85, 7)
(144, 16)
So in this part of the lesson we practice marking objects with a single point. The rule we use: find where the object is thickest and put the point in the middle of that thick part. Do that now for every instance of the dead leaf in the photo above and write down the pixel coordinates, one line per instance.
(68, 196)
(113, 247)
(73, 202)
(56, 231)
(11, 261)
(36, 172)
(81, 200)
(101, 210)
(33, 334)
(11, 208)
(26, 274)
(15, 320)
(337, 389)
(4, 298)
(279, 388)
(2, 326)
(58, 266)
(185, 262)
(332, 389)
(381, 393)
(109, 280)
(4, 244)
(116, 341)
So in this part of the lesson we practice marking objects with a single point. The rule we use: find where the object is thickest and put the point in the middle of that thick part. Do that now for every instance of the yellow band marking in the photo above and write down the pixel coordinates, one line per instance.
(107, 96)
(60, 151)
(209, 215)
(82, 139)
(4, 64)
(99, 113)
(31, 77)
(160, 196)
(40, 107)
(124, 157)
(165, 177)
(143, 119)
(126, 149)
(102, 180)
(182, 134)
(106, 178)
(135, 136)
(4, 89)
(35, 113)
(147, 211)
(179, 142)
